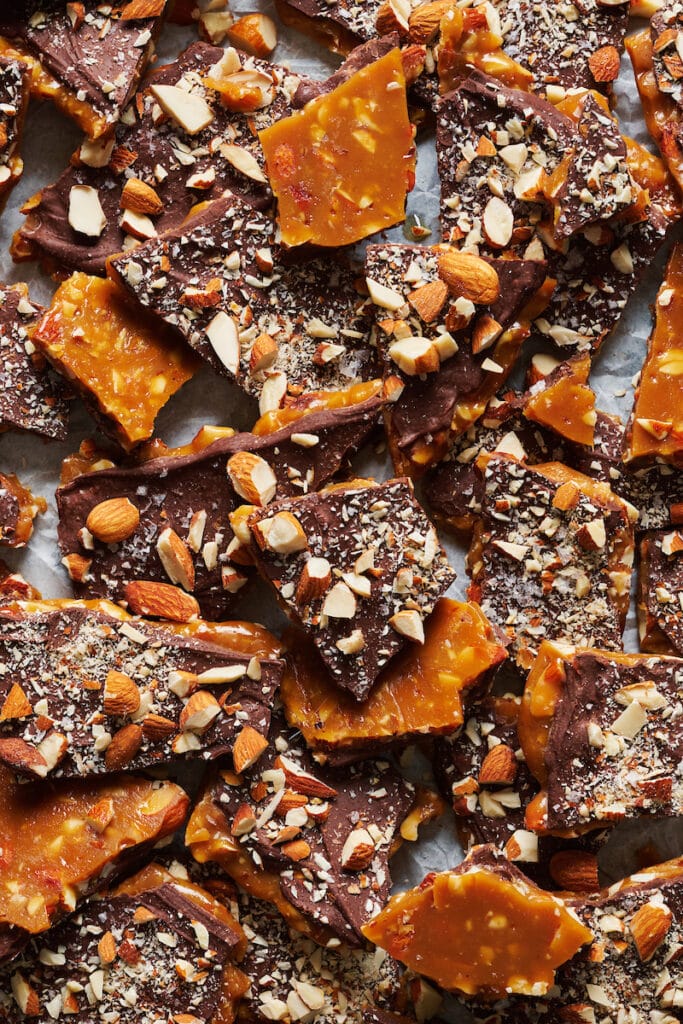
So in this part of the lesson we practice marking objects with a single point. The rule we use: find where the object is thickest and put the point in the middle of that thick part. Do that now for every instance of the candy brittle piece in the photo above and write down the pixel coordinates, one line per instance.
(419, 694)
(598, 733)
(551, 556)
(660, 585)
(18, 509)
(271, 326)
(481, 928)
(14, 81)
(322, 162)
(663, 116)
(304, 454)
(30, 397)
(363, 594)
(564, 402)
(655, 430)
(88, 65)
(111, 711)
(152, 918)
(59, 841)
(123, 367)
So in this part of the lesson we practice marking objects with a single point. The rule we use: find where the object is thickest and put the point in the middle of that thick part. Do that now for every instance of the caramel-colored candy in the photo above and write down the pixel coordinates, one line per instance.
(416, 694)
(655, 430)
(315, 401)
(18, 509)
(467, 41)
(125, 369)
(661, 112)
(567, 404)
(482, 929)
(342, 166)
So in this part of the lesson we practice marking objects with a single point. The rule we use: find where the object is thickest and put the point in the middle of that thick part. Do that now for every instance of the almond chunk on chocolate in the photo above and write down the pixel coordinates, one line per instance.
(130, 696)
(30, 396)
(123, 366)
(158, 946)
(599, 733)
(481, 929)
(181, 511)
(61, 841)
(551, 556)
(275, 327)
(360, 567)
(660, 584)
(14, 86)
(18, 508)
(419, 693)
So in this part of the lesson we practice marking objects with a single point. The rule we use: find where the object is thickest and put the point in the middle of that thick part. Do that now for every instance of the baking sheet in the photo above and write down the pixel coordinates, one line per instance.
(48, 143)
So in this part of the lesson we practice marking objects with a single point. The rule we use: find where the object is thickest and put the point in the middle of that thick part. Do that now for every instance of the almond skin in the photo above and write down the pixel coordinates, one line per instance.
(248, 747)
(121, 695)
(160, 600)
(123, 747)
(649, 927)
(499, 767)
(425, 20)
(156, 727)
(429, 300)
(113, 520)
(469, 277)
(16, 704)
(140, 198)
(575, 871)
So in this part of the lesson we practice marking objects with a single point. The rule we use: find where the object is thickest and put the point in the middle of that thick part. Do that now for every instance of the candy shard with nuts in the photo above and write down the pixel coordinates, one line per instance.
(464, 929)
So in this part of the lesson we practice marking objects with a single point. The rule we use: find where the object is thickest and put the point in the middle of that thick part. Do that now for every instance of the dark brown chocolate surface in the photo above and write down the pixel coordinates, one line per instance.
(311, 309)
(661, 583)
(168, 491)
(407, 572)
(30, 396)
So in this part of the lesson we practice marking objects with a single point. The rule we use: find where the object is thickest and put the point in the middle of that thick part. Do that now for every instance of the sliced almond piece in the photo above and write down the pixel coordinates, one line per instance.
(242, 160)
(247, 749)
(357, 851)
(649, 927)
(498, 222)
(340, 602)
(199, 712)
(140, 198)
(244, 821)
(255, 34)
(252, 478)
(385, 297)
(263, 353)
(281, 533)
(224, 340)
(113, 520)
(176, 558)
(428, 300)
(314, 580)
(273, 391)
(188, 109)
(415, 355)
(85, 211)
(15, 705)
(408, 623)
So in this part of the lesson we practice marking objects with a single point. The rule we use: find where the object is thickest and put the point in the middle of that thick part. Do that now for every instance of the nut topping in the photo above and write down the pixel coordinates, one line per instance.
(649, 927)
(176, 558)
(469, 276)
(358, 850)
(113, 520)
(252, 478)
(248, 747)
(121, 695)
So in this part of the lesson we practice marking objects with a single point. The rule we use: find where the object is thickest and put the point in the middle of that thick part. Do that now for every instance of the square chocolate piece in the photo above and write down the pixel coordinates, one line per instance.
(360, 567)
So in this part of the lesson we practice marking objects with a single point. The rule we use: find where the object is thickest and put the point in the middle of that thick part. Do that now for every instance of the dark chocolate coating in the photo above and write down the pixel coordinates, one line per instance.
(662, 574)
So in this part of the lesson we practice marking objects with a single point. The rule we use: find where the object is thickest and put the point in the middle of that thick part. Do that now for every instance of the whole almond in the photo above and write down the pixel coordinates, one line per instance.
(247, 749)
(604, 64)
(113, 520)
(162, 600)
(575, 871)
(157, 727)
(123, 747)
(140, 198)
(121, 695)
(106, 948)
(469, 276)
(425, 19)
(499, 767)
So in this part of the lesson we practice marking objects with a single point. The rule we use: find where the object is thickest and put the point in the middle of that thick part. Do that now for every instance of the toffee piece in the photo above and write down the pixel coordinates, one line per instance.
(14, 83)
(157, 947)
(660, 584)
(564, 402)
(180, 511)
(276, 328)
(662, 113)
(598, 733)
(361, 593)
(18, 509)
(551, 556)
(123, 367)
(130, 696)
(30, 396)
(89, 59)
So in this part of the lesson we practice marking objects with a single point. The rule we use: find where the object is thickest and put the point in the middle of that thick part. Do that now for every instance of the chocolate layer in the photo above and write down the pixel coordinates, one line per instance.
(661, 588)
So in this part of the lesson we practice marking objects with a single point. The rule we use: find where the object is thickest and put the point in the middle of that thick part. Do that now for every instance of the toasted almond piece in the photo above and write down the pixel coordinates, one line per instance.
(392, 16)
(85, 211)
(76, 14)
(296, 851)
(137, 9)
(199, 712)
(123, 747)
(672, 543)
(176, 558)
(604, 64)
(243, 161)
(498, 222)
(140, 198)
(113, 520)
(385, 297)
(244, 821)
(291, 801)
(255, 34)
(649, 927)
(247, 748)
(157, 727)
(358, 850)
(281, 533)
(252, 478)
(121, 695)
(19, 754)
(592, 536)
(511, 549)
(340, 602)
(575, 871)
(15, 705)
(499, 767)
(314, 580)
(485, 333)
(272, 393)
(469, 277)
(224, 339)
(263, 353)
(160, 600)
(425, 19)
(658, 429)
(428, 300)
(302, 781)
(137, 224)
(415, 355)
(408, 623)
(77, 566)
(106, 948)
(195, 533)
(25, 995)
(100, 814)
(188, 109)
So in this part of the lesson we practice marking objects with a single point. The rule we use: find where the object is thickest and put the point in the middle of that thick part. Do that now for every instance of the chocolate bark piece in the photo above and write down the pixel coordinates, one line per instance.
(173, 492)
(130, 696)
(313, 841)
(660, 584)
(14, 83)
(551, 557)
(146, 952)
(90, 63)
(598, 269)
(360, 593)
(181, 164)
(18, 509)
(223, 282)
(30, 396)
(474, 350)
(62, 840)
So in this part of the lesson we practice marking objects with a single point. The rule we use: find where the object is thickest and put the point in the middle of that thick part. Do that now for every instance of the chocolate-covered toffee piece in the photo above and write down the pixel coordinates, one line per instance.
(124, 367)
(655, 429)
(662, 113)
(599, 733)
(481, 928)
(18, 508)
(451, 326)
(13, 586)
(551, 556)
(159, 947)
(419, 693)
(60, 841)
(14, 83)
(178, 526)
(272, 326)
(313, 841)
(564, 403)
(666, 25)
(660, 586)
(30, 397)
(129, 695)
(361, 592)
(193, 135)
(87, 59)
